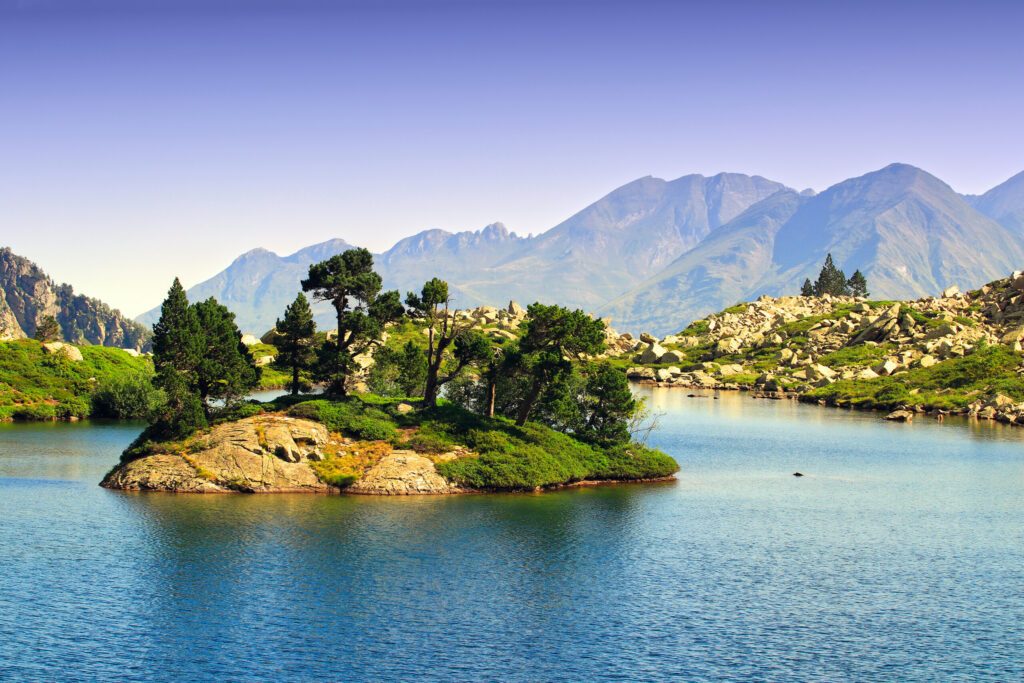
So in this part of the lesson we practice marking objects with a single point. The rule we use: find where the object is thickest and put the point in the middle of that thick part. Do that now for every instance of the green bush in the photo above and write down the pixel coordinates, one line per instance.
(126, 397)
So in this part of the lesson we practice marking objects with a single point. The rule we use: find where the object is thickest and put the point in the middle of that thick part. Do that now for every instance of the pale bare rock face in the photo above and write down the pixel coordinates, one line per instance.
(403, 473)
(262, 454)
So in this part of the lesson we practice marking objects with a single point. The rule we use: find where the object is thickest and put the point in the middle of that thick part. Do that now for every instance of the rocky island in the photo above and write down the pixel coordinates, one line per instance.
(363, 445)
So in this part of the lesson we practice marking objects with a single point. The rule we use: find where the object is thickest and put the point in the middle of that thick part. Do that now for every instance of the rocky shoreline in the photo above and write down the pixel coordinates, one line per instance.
(276, 453)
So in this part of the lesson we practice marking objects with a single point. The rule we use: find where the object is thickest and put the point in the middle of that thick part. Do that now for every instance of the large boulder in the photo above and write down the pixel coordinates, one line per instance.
(652, 354)
(403, 473)
(70, 352)
(261, 454)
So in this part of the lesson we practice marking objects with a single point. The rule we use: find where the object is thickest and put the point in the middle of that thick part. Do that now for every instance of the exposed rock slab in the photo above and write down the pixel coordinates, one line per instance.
(262, 454)
(403, 473)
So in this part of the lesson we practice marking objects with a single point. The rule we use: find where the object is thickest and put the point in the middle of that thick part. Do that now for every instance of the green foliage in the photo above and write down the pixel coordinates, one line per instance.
(861, 355)
(351, 417)
(738, 308)
(951, 384)
(510, 457)
(696, 329)
(554, 337)
(295, 343)
(400, 372)
(38, 385)
(831, 280)
(857, 285)
(128, 397)
(350, 284)
(47, 329)
(226, 370)
(807, 289)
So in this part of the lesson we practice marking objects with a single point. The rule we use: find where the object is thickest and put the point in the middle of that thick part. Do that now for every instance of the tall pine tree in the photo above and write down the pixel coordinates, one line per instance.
(295, 346)
(226, 370)
(830, 280)
(177, 351)
(807, 289)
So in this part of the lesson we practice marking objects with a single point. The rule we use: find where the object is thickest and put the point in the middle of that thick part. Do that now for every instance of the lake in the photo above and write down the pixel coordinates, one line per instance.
(899, 556)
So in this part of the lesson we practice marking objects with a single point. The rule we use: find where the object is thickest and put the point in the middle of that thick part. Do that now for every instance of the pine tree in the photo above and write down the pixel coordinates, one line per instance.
(807, 289)
(554, 337)
(226, 370)
(177, 337)
(47, 330)
(443, 330)
(295, 348)
(177, 351)
(348, 281)
(830, 280)
(858, 284)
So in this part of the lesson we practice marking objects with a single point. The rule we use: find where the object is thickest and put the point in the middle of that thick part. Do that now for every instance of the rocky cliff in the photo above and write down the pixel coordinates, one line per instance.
(28, 295)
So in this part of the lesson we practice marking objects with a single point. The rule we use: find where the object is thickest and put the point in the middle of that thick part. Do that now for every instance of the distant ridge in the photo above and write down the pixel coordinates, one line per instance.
(657, 253)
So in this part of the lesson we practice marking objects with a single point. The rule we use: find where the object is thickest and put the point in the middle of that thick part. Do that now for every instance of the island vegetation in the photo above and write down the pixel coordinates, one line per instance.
(407, 382)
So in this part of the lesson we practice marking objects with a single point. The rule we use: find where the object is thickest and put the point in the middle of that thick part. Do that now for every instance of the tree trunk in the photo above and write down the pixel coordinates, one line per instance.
(295, 379)
(492, 394)
(531, 399)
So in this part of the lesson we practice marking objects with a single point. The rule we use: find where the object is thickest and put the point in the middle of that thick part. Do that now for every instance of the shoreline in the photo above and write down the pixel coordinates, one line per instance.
(937, 413)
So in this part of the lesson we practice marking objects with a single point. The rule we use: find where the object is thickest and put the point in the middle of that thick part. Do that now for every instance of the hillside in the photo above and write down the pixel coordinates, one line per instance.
(954, 353)
(28, 295)
(57, 381)
(906, 230)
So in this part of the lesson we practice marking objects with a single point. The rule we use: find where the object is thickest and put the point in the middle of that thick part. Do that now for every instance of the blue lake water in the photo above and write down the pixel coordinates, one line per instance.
(899, 556)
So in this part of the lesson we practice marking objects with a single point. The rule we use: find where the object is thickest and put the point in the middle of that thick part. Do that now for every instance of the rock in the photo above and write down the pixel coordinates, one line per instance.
(647, 338)
(250, 340)
(671, 357)
(730, 369)
(900, 416)
(798, 474)
(1014, 335)
(887, 367)
(403, 473)
(72, 353)
(134, 353)
(926, 361)
(652, 354)
(867, 373)
(404, 408)
(640, 373)
(515, 309)
(664, 375)
(950, 292)
(264, 361)
(261, 454)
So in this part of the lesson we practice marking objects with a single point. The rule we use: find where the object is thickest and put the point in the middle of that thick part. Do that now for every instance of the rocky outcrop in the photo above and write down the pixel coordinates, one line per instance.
(263, 454)
(403, 473)
(275, 454)
(28, 295)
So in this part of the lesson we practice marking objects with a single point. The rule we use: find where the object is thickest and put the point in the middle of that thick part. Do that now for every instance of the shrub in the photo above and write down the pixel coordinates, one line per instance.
(127, 397)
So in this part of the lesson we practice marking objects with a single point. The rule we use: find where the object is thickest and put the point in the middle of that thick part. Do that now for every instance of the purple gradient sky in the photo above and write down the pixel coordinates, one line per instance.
(143, 140)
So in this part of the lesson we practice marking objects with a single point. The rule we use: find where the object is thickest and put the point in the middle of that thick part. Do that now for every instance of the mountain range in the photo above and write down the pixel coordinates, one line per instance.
(655, 254)
(28, 295)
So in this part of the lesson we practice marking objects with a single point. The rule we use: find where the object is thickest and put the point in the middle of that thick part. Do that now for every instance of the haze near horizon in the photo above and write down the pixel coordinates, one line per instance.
(148, 140)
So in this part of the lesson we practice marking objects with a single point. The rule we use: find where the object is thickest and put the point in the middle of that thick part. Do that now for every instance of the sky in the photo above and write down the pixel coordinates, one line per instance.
(146, 139)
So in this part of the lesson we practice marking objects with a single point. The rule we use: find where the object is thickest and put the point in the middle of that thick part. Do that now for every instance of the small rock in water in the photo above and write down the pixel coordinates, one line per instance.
(798, 474)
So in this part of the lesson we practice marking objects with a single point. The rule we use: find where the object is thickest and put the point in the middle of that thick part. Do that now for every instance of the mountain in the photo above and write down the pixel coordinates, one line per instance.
(27, 295)
(259, 284)
(1004, 203)
(623, 238)
(906, 230)
(593, 256)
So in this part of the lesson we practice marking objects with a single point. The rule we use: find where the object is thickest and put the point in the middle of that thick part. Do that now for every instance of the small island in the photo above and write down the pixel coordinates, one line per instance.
(418, 399)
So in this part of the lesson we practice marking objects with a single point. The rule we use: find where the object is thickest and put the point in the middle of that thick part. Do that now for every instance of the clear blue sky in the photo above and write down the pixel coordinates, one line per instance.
(144, 139)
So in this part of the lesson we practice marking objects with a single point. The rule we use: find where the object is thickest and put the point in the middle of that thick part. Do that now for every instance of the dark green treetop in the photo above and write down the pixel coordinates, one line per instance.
(226, 370)
(830, 280)
(858, 284)
(554, 337)
(349, 282)
(807, 289)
